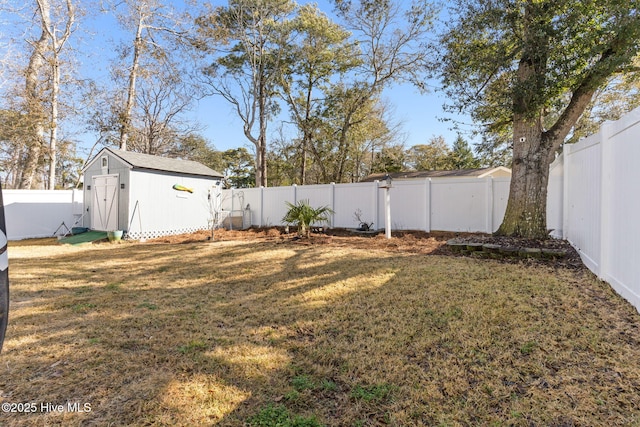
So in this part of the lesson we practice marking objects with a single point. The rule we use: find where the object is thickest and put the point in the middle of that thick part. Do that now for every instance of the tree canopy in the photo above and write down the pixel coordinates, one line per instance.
(534, 74)
(329, 76)
(247, 40)
(526, 70)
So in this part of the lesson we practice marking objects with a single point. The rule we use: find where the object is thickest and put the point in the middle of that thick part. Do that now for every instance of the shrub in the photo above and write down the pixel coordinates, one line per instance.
(303, 215)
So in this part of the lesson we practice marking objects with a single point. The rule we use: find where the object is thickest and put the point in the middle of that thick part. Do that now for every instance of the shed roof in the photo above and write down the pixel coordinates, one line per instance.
(147, 161)
(459, 173)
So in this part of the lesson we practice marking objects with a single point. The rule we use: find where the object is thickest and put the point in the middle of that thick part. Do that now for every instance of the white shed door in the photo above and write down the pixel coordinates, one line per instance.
(104, 204)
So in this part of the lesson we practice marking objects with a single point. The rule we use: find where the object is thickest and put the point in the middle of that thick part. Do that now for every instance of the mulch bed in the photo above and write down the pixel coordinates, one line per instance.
(510, 249)
(415, 242)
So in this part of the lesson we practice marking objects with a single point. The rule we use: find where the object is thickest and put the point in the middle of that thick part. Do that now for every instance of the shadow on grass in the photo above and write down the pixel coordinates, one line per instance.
(205, 334)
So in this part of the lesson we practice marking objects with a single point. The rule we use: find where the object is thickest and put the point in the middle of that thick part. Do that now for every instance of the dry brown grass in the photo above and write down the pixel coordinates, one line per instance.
(213, 333)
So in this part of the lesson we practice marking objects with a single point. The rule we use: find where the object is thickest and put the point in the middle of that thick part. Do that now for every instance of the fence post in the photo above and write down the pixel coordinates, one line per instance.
(606, 188)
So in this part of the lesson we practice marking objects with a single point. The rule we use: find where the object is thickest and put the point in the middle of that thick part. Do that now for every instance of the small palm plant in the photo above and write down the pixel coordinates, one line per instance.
(303, 215)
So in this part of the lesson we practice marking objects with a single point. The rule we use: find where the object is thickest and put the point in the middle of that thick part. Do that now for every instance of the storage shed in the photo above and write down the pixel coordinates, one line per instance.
(149, 196)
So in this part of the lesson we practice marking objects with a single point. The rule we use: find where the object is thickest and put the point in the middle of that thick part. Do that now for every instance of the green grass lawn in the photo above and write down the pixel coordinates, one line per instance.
(266, 334)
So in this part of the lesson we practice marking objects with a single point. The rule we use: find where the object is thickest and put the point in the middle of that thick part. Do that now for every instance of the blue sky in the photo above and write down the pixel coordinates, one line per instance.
(420, 114)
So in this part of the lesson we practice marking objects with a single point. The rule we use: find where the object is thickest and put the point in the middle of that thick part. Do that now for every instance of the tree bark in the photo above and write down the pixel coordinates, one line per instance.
(343, 147)
(34, 106)
(53, 133)
(57, 43)
(125, 126)
(307, 136)
(261, 147)
(320, 161)
(526, 214)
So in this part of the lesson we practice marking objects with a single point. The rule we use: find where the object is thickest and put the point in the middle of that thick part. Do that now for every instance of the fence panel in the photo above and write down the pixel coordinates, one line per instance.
(621, 206)
(317, 195)
(408, 205)
(275, 210)
(582, 224)
(238, 199)
(39, 213)
(351, 197)
(499, 201)
(459, 205)
(227, 199)
(555, 197)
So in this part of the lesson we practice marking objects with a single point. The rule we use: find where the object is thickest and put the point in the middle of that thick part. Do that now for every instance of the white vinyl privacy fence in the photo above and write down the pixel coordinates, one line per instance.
(444, 204)
(40, 213)
(596, 196)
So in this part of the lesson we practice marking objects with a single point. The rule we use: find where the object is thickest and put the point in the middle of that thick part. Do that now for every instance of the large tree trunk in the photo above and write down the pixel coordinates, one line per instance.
(260, 163)
(343, 148)
(34, 105)
(320, 161)
(263, 162)
(261, 146)
(526, 214)
(534, 149)
(125, 125)
(303, 160)
(57, 44)
(307, 131)
(28, 177)
(53, 133)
